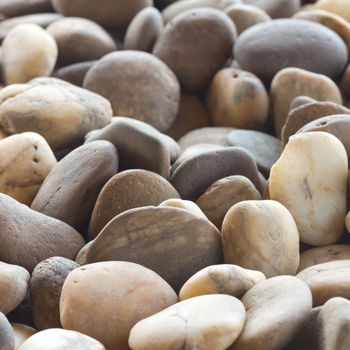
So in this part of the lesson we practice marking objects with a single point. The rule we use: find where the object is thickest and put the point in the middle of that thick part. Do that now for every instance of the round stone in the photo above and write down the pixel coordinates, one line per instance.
(276, 8)
(268, 47)
(339, 7)
(28, 51)
(310, 179)
(155, 97)
(204, 322)
(122, 293)
(74, 73)
(195, 45)
(262, 236)
(22, 333)
(221, 279)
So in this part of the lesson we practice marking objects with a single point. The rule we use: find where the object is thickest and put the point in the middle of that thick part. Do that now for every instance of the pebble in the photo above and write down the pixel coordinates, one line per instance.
(22, 333)
(121, 292)
(276, 310)
(238, 99)
(144, 30)
(292, 82)
(300, 101)
(72, 187)
(60, 339)
(155, 97)
(192, 116)
(327, 280)
(115, 14)
(28, 51)
(79, 40)
(191, 184)
(308, 113)
(150, 235)
(223, 194)
(209, 322)
(45, 290)
(268, 47)
(324, 254)
(339, 7)
(7, 336)
(14, 286)
(265, 148)
(16, 8)
(127, 190)
(221, 279)
(245, 16)
(190, 206)
(26, 160)
(312, 185)
(28, 237)
(150, 149)
(195, 45)
(345, 83)
(61, 112)
(276, 8)
(261, 235)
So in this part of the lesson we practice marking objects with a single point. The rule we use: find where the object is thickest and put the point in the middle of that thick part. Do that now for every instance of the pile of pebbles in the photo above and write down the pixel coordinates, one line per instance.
(174, 175)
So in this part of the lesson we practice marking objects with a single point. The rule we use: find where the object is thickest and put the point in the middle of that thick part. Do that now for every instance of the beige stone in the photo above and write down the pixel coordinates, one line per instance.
(328, 280)
(276, 310)
(320, 255)
(210, 322)
(22, 333)
(261, 235)
(28, 52)
(184, 204)
(25, 161)
(221, 279)
(60, 339)
(339, 7)
(345, 82)
(292, 82)
(14, 286)
(122, 293)
(310, 179)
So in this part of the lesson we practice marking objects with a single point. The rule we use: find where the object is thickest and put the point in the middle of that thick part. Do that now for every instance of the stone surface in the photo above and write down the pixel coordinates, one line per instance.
(45, 291)
(61, 112)
(122, 292)
(221, 279)
(327, 280)
(237, 98)
(292, 82)
(245, 16)
(265, 148)
(191, 183)
(312, 185)
(223, 194)
(127, 190)
(79, 39)
(116, 14)
(276, 310)
(172, 242)
(320, 255)
(150, 149)
(7, 337)
(305, 114)
(340, 7)
(28, 51)
(195, 45)
(271, 46)
(138, 85)
(25, 161)
(28, 237)
(276, 8)
(206, 322)
(60, 339)
(262, 236)
(190, 206)
(14, 286)
(144, 30)
(22, 333)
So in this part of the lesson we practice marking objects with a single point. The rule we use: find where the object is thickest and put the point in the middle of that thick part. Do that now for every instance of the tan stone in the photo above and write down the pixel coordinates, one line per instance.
(28, 52)
(25, 161)
(221, 279)
(22, 333)
(122, 293)
(184, 204)
(292, 82)
(340, 7)
(310, 179)
(13, 287)
(210, 322)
